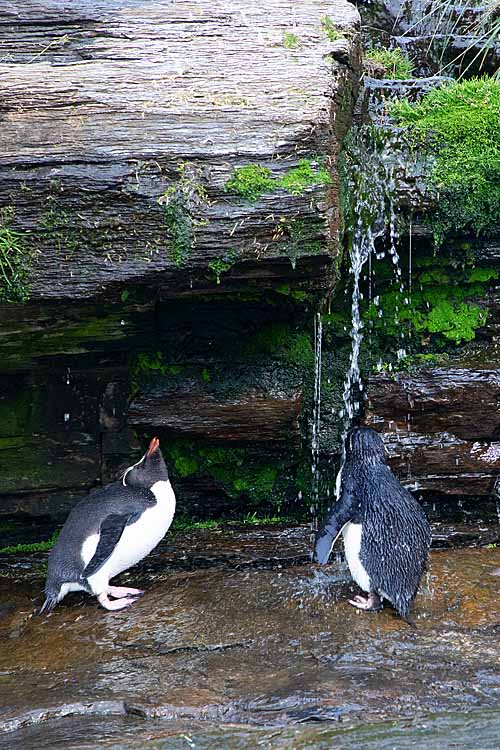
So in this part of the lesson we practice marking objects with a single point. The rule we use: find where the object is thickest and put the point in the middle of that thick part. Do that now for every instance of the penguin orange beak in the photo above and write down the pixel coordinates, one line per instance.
(153, 446)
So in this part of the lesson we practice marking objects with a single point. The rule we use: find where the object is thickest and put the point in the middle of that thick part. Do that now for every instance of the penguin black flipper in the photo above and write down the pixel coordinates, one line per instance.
(110, 532)
(336, 518)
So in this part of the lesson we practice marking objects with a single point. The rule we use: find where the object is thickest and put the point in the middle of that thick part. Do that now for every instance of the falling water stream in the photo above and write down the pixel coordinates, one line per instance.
(318, 336)
(371, 187)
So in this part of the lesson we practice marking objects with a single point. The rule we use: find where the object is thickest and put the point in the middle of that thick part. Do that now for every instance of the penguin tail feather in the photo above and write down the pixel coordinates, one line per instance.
(410, 622)
(49, 603)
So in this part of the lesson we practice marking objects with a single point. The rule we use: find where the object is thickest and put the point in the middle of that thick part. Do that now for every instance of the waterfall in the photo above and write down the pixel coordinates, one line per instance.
(370, 188)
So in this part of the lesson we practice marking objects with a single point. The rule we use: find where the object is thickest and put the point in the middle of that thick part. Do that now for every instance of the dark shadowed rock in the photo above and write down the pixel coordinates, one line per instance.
(441, 426)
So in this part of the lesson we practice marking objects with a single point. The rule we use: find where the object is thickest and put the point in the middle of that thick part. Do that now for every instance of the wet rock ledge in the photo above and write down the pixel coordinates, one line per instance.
(237, 628)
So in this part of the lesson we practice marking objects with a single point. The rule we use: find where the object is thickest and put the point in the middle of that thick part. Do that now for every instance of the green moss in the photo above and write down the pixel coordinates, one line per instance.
(14, 259)
(439, 306)
(250, 181)
(395, 62)
(413, 362)
(253, 180)
(184, 461)
(179, 226)
(482, 274)
(330, 29)
(456, 125)
(205, 375)
(239, 473)
(296, 294)
(15, 411)
(34, 547)
(290, 41)
(144, 366)
(280, 340)
(182, 524)
(180, 201)
(304, 175)
(337, 323)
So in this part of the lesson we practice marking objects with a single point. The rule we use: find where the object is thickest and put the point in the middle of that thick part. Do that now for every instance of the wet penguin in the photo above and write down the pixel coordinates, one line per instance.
(111, 530)
(386, 533)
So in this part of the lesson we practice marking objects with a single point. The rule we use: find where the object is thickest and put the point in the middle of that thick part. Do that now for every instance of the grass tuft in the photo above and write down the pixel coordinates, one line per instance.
(397, 65)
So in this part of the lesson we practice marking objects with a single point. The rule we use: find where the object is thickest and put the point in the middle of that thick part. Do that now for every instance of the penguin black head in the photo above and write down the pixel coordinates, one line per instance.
(150, 469)
(366, 445)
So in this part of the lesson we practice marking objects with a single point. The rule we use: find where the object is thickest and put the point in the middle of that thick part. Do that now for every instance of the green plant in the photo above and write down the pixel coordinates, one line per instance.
(232, 467)
(279, 339)
(297, 294)
(330, 29)
(456, 126)
(396, 64)
(290, 41)
(180, 202)
(33, 547)
(14, 258)
(218, 266)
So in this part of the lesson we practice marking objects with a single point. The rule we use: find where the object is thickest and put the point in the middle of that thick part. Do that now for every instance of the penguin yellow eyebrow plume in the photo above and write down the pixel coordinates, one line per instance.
(109, 531)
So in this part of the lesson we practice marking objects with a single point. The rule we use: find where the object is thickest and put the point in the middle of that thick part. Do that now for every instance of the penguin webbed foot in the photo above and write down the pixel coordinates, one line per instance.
(371, 603)
(123, 591)
(114, 604)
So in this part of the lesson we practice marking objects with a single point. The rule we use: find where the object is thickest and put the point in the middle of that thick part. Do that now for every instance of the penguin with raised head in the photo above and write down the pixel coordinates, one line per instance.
(111, 530)
(386, 533)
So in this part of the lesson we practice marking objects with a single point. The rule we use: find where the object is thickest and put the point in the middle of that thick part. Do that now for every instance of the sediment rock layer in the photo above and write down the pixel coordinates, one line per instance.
(124, 126)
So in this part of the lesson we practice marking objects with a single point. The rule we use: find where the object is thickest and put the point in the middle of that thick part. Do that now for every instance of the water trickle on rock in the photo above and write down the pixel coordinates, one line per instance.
(318, 336)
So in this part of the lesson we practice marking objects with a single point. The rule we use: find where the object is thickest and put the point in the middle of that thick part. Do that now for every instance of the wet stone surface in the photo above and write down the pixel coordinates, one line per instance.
(239, 640)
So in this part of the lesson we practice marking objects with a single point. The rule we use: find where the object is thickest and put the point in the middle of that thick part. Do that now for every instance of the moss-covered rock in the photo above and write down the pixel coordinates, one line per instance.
(456, 127)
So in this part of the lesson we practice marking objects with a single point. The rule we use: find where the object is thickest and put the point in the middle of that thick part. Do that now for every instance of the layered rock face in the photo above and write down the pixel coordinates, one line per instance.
(442, 426)
(439, 407)
(169, 177)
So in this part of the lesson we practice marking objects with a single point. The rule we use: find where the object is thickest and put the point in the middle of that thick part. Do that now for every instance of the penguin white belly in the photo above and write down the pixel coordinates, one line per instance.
(138, 539)
(352, 545)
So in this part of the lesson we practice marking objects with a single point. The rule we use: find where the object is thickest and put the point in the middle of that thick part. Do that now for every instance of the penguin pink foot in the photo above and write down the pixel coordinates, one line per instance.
(371, 603)
(119, 591)
(115, 604)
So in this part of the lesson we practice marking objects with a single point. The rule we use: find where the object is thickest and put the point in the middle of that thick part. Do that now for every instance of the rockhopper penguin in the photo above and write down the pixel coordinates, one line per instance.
(111, 530)
(386, 533)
